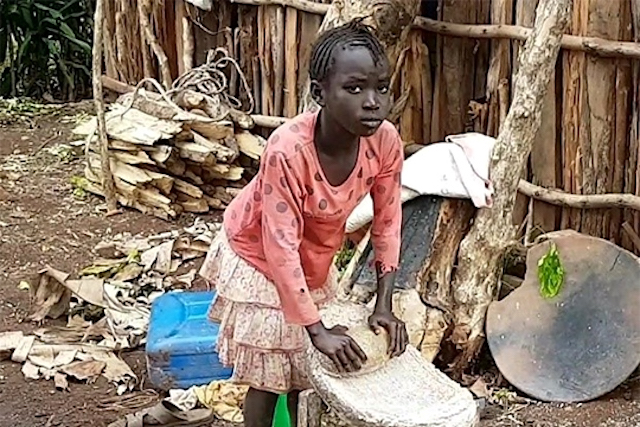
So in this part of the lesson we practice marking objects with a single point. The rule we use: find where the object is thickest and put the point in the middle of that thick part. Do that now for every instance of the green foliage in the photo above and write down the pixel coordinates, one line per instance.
(344, 255)
(550, 273)
(45, 48)
(79, 184)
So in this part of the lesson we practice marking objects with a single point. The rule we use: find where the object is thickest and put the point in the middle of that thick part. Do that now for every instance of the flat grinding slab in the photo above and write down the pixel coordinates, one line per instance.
(580, 344)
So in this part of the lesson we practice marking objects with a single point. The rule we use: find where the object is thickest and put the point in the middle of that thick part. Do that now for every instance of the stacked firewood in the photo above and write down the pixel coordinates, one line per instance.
(166, 160)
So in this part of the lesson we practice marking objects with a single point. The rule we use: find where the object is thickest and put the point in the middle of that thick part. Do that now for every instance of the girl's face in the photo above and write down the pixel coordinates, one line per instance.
(356, 92)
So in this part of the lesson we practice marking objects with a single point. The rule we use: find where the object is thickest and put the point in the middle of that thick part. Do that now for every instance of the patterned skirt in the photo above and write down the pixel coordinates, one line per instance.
(265, 352)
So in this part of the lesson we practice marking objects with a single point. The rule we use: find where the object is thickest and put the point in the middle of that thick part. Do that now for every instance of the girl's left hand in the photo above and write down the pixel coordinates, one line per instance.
(398, 337)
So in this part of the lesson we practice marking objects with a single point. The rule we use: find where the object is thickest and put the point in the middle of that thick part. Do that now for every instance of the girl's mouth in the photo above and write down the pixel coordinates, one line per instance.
(371, 123)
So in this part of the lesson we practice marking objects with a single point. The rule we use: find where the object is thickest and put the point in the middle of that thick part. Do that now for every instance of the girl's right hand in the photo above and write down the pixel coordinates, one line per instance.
(345, 353)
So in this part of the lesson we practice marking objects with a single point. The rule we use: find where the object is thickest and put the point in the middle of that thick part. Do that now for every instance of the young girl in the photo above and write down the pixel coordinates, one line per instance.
(272, 263)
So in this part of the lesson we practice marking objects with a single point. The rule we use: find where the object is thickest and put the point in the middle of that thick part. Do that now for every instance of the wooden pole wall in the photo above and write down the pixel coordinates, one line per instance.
(589, 140)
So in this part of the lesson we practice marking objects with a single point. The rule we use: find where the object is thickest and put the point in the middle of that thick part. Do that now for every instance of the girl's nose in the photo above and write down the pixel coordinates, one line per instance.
(371, 101)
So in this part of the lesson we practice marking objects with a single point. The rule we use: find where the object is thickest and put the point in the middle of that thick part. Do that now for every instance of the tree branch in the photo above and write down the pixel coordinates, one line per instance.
(579, 201)
(593, 45)
(303, 5)
(144, 7)
(108, 186)
(482, 250)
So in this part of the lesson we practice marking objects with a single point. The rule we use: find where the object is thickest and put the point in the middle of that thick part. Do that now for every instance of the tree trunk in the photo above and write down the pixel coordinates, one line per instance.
(390, 18)
(481, 252)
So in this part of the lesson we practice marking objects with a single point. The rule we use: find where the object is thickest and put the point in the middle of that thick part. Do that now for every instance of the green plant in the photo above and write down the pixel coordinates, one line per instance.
(550, 273)
(45, 48)
(344, 255)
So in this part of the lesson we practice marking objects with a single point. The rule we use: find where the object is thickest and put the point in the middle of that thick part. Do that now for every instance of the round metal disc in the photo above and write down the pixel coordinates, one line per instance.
(580, 344)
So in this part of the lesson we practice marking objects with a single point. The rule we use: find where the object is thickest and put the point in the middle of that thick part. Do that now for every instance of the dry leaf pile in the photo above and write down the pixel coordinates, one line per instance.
(108, 306)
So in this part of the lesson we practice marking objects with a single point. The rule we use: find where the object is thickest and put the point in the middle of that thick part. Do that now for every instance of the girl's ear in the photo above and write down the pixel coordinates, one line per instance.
(318, 92)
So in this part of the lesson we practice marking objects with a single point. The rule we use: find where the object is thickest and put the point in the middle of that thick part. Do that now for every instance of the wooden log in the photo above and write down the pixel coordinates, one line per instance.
(150, 196)
(195, 153)
(187, 189)
(221, 171)
(270, 122)
(277, 29)
(194, 205)
(268, 55)
(215, 131)
(184, 37)
(175, 165)
(109, 49)
(500, 66)
(597, 46)
(148, 102)
(181, 17)
(144, 10)
(139, 158)
(453, 89)
(107, 178)
(116, 85)
(454, 221)
(116, 144)
(309, 25)
(620, 153)
(165, 22)
(391, 21)
(482, 250)
(248, 46)
(243, 120)
(302, 5)
(572, 106)
(633, 236)
(291, 63)
(122, 187)
(163, 182)
(251, 145)
(415, 118)
(191, 100)
(580, 201)
(193, 174)
(546, 150)
(225, 195)
(159, 153)
(223, 154)
(134, 175)
(214, 203)
(633, 172)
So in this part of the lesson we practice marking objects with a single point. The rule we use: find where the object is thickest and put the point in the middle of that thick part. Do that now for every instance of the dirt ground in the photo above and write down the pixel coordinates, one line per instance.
(42, 222)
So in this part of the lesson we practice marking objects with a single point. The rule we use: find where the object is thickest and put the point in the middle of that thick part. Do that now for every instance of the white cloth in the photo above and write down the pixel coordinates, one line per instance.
(202, 4)
(457, 168)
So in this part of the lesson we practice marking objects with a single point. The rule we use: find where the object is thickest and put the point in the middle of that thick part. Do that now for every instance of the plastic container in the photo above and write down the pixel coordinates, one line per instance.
(181, 342)
(281, 417)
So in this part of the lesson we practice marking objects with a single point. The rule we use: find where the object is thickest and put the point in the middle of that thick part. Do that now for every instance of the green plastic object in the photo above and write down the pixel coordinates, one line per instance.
(281, 417)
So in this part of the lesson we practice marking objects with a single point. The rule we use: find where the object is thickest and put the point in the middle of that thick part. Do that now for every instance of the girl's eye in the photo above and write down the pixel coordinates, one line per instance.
(354, 89)
(383, 89)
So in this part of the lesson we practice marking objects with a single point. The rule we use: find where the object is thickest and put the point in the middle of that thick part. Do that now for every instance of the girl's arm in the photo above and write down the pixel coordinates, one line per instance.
(386, 238)
(282, 225)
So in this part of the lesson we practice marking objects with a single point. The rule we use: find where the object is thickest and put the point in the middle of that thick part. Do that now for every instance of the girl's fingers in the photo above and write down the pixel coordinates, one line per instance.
(358, 351)
(401, 339)
(337, 362)
(344, 360)
(353, 357)
(393, 338)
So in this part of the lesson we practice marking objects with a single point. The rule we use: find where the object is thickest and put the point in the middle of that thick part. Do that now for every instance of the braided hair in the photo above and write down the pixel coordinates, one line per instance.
(352, 34)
